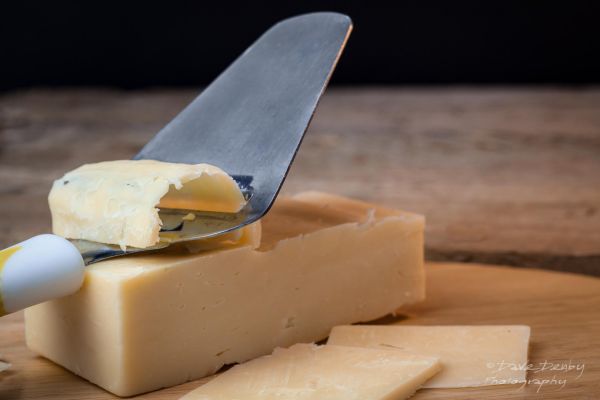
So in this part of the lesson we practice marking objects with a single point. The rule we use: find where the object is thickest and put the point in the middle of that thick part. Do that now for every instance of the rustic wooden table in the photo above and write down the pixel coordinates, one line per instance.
(504, 176)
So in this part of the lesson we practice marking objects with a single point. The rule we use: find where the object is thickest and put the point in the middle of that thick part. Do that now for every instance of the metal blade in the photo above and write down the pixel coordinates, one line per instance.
(251, 119)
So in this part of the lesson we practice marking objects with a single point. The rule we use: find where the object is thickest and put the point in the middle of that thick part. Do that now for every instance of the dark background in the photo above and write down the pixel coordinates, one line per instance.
(133, 45)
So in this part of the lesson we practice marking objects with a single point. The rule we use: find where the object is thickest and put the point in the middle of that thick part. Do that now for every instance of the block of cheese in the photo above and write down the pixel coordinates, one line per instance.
(310, 372)
(116, 201)
(470, 355)
(145, 322)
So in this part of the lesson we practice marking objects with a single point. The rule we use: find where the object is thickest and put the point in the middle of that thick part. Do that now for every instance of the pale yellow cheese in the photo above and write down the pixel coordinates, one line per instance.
(116, 201)
(249, 235)
(145, 322)
(470, 355)
(310, 372)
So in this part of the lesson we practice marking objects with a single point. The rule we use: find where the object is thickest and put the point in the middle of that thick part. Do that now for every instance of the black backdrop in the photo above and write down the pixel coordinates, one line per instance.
(131, 44)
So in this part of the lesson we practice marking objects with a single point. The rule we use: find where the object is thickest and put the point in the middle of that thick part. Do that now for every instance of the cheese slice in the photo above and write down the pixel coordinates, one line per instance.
(307, 372)
(116, 201)
(145, 322)
(470, 355)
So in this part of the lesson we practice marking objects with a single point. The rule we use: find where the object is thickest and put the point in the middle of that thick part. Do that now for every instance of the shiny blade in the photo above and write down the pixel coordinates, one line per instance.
(251, 119)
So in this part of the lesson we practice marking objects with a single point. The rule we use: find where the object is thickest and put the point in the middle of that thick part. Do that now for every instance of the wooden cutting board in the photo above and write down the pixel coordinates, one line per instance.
(563, 311)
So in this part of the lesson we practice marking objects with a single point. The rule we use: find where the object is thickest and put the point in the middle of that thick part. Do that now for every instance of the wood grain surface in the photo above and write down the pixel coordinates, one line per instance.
(562, 310)
(504, 176)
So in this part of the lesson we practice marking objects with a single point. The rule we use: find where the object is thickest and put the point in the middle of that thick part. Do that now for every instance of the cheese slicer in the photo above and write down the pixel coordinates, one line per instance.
(249, 122)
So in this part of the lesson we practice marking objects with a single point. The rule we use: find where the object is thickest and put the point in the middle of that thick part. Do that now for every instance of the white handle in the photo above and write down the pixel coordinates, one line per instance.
(42, 268)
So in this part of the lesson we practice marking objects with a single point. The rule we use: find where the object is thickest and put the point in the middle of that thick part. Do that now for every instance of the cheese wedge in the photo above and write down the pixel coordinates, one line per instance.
(116, 201)
(145, 322)
(470, 355)
(310, 372)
